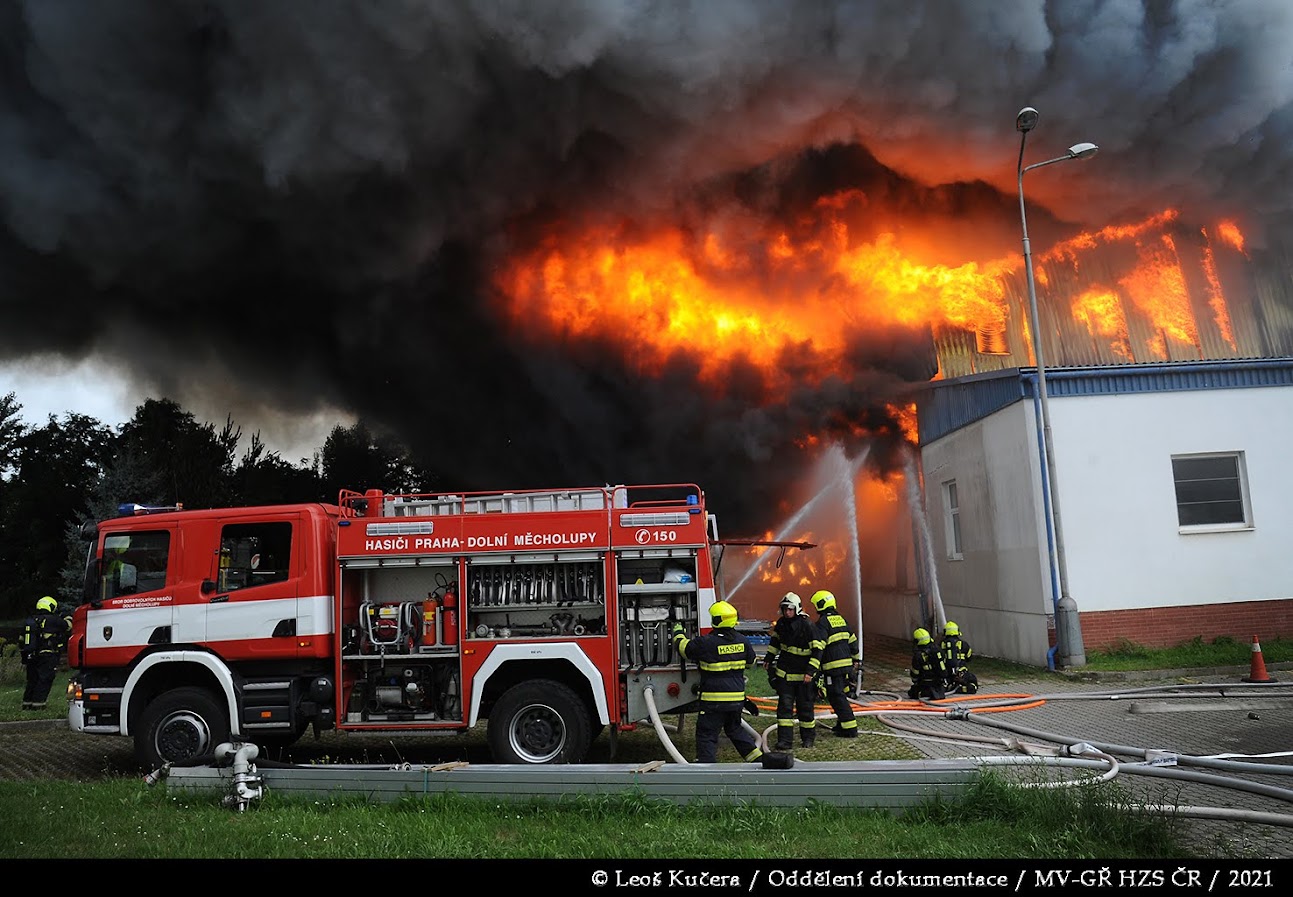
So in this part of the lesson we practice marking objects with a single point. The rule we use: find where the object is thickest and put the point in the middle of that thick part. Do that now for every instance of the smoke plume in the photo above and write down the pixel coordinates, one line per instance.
(274, 208)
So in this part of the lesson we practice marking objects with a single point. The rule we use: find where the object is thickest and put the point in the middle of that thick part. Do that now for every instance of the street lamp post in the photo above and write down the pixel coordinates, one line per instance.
(1068, 626)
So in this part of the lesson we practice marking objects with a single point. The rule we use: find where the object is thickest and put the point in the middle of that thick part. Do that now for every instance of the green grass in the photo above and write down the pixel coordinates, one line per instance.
(13, 680)
(1221, 651)
(120, 817)
(126, 819)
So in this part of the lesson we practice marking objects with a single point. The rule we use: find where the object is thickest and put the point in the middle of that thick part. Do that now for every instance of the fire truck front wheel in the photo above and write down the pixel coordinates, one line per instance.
(180, 725)
(541, 721)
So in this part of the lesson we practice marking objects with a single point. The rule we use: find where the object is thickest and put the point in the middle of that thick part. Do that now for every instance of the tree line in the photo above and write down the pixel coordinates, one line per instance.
(75, 468)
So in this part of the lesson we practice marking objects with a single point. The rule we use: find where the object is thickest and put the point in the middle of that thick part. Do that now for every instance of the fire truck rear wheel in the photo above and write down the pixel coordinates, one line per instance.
(180, 725)
(541, 721)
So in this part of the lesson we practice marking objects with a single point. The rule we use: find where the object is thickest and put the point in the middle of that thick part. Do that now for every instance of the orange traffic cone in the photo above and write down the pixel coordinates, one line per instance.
(1257, 671)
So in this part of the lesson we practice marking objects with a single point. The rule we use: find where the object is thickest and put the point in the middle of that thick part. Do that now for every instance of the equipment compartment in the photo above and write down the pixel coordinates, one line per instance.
(536, 598)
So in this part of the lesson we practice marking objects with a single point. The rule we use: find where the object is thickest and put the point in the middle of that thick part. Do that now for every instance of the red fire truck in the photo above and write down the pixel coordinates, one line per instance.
(545, 613)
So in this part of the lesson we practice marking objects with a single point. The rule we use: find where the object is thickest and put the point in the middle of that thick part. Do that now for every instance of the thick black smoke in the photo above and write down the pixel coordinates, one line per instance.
(272, 208)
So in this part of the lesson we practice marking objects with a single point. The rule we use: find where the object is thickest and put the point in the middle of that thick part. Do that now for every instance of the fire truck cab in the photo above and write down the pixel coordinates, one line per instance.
(544, 613)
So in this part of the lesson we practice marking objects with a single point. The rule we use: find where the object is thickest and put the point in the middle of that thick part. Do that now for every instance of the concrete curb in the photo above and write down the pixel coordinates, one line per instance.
(1229, 672)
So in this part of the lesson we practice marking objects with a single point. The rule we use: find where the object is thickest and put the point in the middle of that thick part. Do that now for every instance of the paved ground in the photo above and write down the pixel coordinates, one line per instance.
(1141, 719)
(1192, 714)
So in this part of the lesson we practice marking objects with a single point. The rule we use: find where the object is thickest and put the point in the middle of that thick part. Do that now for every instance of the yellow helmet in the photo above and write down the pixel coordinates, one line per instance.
(47, 604)
(722, 615)
(921, 636)
(950, 628)
(823, 601)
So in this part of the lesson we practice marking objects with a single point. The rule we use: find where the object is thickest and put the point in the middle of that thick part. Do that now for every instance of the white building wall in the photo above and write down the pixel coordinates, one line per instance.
(1118, 502)
(999, 591)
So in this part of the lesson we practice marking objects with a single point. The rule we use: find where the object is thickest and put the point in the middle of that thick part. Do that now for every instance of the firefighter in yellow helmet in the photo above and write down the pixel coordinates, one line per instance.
(928, 672)
(722, 656)
(956, 653)
(836, 659)
(44, 635)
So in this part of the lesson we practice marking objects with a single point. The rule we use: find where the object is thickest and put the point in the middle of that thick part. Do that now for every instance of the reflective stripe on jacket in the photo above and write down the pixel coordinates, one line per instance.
(956, 653)
(835, 647)
(723, 656)
(46, 633)
(927, 664)
(791, 647)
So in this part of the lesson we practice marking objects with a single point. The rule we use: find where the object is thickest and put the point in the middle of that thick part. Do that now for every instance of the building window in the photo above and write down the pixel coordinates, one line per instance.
(952, 520)
(1211, 491)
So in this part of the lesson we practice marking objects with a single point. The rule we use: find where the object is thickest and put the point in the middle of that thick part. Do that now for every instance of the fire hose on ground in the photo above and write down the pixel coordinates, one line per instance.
(661, 729)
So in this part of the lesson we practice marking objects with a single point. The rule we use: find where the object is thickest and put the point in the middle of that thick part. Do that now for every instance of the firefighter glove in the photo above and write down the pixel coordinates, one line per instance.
(678, 631)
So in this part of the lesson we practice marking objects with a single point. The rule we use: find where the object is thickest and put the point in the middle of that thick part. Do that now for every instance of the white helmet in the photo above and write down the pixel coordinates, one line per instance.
(790, 599)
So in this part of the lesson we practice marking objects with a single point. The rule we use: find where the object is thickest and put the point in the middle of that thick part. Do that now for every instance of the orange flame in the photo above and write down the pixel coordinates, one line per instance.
(1101, 311)
(793, 298)
(1157, 287)
(905, 415)
(721, 301)
(1228, 231)
(1216, 298)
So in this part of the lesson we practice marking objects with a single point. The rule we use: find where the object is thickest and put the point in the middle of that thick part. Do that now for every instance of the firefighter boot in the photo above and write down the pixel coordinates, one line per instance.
(807, 737)
(36, 705)
(840, 732)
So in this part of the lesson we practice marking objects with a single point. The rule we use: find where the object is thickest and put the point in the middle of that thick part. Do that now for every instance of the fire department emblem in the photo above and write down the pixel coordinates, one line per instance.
(107, 633)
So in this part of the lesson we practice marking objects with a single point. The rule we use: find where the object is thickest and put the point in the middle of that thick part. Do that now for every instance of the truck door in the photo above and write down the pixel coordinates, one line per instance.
(253, 588)
(138, 582)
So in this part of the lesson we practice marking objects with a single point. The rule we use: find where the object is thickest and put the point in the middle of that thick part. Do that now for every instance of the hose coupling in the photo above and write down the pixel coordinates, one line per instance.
(157, 774)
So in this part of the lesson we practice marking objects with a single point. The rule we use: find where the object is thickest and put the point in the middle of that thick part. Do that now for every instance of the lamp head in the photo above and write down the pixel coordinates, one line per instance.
(1083, 150)
(1026, 120)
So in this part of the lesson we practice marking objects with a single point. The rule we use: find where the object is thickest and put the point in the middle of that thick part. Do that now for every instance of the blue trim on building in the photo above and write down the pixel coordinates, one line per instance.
(945, 406)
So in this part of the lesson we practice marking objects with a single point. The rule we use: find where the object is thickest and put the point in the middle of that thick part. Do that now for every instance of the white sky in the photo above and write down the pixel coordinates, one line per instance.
(51, 385)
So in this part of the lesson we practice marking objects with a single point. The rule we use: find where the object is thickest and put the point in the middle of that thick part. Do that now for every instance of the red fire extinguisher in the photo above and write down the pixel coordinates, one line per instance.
(449, 610)
(429, 618)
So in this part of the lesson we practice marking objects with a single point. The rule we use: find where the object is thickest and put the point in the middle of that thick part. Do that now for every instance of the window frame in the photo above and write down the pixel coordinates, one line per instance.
(955, 548)
(1241, 476)
(143, 551)
(240, 555)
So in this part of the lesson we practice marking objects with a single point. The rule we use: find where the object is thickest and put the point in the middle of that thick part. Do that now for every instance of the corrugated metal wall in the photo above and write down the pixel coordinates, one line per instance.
(1167, 296)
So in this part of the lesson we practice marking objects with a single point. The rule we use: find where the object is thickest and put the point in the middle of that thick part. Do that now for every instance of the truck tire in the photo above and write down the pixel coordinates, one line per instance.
(180, 725)
(541, 721)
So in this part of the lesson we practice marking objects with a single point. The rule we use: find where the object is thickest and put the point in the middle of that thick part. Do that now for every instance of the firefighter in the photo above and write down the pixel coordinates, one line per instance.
(927, 670)
(836, 661)
(956, 652)
(723, 656)
(789, 651)
(43, 637)
(120, 576)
